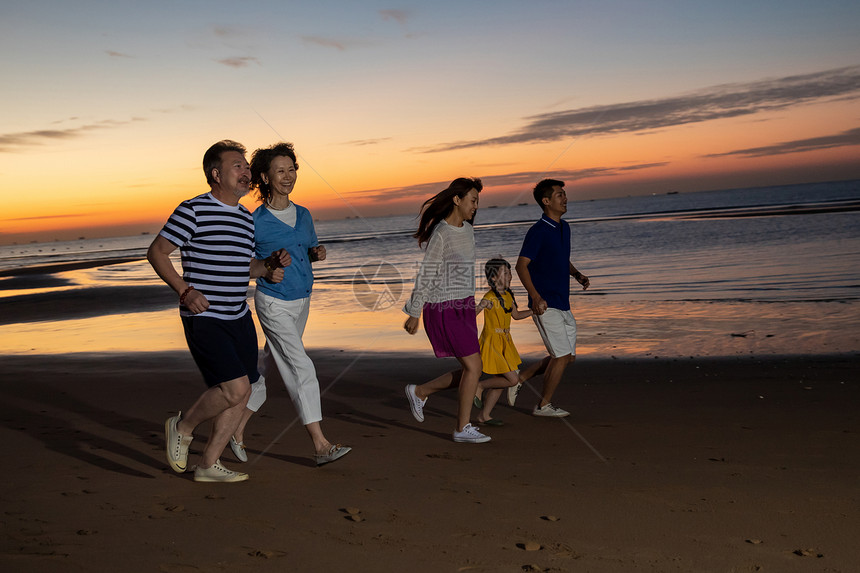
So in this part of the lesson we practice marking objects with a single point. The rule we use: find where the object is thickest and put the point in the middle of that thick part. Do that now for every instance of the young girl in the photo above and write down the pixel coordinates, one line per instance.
(498, 353)
(445, 293)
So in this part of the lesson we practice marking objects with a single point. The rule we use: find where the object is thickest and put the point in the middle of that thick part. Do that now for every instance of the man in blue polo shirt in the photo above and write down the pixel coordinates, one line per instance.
(545, 269)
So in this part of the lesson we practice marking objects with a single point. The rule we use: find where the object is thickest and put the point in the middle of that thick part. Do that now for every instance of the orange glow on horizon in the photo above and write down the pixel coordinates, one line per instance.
(128, 191)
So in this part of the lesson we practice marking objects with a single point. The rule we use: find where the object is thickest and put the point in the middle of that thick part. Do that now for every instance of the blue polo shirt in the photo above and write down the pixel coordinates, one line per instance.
(547, 246)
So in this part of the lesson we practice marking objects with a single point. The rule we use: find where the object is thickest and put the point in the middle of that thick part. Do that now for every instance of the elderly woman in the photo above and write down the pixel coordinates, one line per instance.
(282, 308)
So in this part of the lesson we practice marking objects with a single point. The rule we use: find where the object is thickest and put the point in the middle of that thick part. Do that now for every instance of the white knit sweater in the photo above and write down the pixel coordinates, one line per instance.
(448, 269)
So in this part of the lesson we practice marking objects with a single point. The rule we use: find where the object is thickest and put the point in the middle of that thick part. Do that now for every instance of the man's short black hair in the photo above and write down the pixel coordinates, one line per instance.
(212, 157)
(544, 189)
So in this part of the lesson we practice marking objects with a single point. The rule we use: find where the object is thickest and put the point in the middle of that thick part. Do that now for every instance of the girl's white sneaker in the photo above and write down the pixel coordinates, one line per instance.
(513, 391)
(238, 449)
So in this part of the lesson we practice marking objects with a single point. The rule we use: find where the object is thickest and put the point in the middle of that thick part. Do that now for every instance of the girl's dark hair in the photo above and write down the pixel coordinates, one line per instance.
(440, 206)
(261, 160)
(491, 271)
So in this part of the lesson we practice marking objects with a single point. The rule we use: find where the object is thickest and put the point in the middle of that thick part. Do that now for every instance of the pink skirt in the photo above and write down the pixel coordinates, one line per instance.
(452, 327)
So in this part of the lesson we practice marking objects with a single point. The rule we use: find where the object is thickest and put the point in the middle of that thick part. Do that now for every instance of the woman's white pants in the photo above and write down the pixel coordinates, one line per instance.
(283, 322)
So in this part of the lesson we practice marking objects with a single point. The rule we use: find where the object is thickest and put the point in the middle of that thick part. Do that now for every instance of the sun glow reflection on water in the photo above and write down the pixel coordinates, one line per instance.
(661, 285)
(627, 329)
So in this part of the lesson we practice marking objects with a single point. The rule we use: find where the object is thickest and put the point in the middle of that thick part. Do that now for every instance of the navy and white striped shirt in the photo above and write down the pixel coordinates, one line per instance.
(216, 242)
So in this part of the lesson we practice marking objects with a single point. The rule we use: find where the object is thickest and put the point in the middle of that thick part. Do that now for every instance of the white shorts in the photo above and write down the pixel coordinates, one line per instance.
(558, 330)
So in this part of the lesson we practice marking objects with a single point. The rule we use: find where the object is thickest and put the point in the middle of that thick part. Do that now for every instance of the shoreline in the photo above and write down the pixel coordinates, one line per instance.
(330, 353)
(670, 464)
(51, 268)
(125, 308)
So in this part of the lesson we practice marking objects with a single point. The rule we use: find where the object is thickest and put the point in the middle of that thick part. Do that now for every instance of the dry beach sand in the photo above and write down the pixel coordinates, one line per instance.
(740, 464)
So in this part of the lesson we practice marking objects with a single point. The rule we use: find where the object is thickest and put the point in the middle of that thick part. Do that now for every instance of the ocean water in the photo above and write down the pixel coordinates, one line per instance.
(768, 254)
(796, 243)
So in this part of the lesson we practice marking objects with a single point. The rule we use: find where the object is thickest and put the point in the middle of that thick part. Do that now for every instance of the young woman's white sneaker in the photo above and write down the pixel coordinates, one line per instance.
(470, 435)
(416, 404)
(550, 411)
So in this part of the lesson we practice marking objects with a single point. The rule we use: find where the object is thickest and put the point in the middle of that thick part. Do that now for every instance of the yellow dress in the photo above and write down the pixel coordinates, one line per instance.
(497, 348)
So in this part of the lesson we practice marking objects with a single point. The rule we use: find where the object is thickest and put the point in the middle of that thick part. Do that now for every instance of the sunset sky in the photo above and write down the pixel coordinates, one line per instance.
(108, 107)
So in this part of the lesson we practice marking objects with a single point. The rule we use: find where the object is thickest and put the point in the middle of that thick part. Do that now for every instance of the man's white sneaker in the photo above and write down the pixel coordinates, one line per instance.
(550, 411)
(218, 473)
(513, 391)
(416, 404)
(470, 435)
(176, 445)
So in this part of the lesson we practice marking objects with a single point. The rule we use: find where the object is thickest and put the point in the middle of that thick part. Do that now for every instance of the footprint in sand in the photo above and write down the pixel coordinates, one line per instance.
(266, 554)
(808, 553)
(449, 456)
(177, 568)
(352, 513)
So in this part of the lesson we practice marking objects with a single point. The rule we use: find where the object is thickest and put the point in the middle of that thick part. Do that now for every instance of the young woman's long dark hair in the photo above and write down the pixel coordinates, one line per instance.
(440, 206)
(491, 271)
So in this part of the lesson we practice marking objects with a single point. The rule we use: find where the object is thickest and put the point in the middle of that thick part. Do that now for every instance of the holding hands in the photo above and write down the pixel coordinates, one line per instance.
(538, 305)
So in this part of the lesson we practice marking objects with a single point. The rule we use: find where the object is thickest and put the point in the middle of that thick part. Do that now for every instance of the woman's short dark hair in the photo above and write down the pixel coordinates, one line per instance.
(262, 159)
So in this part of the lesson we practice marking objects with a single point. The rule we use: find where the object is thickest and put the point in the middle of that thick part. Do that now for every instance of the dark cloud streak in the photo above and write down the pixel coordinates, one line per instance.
(46, 217)
(9, 142)
(525, 179)
(325, 42)
(718, 102)
(363, 142)
(844, 139)
(399, 16)
(238, 61)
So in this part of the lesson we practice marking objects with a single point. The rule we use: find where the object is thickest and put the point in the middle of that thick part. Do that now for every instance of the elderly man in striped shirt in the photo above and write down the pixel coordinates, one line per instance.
(215, 237)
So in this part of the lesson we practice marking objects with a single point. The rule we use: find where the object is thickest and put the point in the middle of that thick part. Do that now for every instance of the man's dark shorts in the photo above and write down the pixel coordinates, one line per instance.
(223, 349)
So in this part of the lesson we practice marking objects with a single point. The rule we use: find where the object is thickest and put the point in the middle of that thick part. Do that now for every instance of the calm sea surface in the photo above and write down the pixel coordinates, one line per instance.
(795, 245)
